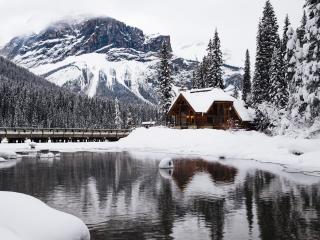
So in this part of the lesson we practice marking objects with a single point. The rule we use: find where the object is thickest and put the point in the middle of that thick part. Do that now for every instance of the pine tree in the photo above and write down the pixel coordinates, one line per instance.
(117, 120)
(290, 58)
(304, 98)
(246, 85)
(285, 38)
(217, 63)
(267, 41)
(302, 29)
(278, 91)
(235, 93)
(210, 80)
(203, 83)
(194, 81)
(165, 81)
(129, 120)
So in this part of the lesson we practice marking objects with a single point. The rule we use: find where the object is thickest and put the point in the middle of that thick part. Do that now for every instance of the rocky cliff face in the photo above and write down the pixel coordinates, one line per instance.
(75, 37)
(99, 57)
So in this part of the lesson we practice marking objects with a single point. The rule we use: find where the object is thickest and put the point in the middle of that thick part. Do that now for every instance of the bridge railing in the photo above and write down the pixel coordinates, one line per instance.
(16, 129)
(64, 133)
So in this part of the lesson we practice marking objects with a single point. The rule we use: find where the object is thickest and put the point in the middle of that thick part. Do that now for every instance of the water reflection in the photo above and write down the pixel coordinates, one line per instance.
(123, 197)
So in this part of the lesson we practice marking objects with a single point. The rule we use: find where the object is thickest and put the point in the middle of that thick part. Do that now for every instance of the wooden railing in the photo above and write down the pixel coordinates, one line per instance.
(60, 134)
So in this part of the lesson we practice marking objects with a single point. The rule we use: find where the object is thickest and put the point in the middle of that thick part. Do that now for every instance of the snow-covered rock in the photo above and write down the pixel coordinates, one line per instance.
(26, 218)
(166, 163)
(32, 144)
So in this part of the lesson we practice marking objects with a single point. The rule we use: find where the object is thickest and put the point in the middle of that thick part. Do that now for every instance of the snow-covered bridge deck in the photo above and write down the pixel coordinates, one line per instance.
(62, 134)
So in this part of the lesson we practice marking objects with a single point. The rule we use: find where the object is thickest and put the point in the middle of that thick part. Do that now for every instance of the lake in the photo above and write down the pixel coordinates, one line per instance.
(125, 196)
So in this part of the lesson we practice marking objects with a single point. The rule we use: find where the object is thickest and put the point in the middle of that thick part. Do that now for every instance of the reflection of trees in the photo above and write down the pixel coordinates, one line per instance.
(282, 211)
(248, 191)
(125, 198)
(213, 213)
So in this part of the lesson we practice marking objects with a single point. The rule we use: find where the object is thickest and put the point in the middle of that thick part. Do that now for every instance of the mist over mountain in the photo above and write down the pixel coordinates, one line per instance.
(102, 57)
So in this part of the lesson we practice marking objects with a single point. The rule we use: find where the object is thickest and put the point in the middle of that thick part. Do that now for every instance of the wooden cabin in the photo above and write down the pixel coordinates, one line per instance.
(208, 108)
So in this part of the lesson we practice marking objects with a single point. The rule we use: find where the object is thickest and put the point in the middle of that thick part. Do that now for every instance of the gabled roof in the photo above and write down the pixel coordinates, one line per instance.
(202, 99)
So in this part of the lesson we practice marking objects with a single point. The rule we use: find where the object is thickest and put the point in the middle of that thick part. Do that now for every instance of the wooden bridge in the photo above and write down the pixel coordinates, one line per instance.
(15, 135)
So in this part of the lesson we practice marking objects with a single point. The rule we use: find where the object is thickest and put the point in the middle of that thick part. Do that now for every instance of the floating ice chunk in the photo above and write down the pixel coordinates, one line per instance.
(2, 160)
(166, 163)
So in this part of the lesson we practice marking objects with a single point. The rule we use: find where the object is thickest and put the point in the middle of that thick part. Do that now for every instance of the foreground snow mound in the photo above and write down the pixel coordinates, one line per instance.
(26, 218)
(8, 155)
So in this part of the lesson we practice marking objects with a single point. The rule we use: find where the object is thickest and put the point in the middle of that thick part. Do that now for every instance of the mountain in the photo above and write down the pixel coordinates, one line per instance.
(100, 57)
(29, 100)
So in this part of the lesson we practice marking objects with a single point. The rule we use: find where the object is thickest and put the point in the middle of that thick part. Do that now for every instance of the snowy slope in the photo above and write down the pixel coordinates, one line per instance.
(94, 68)
(102, 57)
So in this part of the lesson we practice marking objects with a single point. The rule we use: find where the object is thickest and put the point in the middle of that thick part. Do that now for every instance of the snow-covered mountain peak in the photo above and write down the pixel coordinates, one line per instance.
(100, 56)
(75, 37)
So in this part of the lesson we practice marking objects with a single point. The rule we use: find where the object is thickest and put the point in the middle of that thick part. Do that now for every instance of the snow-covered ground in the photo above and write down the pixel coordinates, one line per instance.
(23, 217)
(297, 155)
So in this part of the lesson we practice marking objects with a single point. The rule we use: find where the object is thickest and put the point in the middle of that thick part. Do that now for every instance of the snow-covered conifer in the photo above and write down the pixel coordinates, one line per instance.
(278, 92)
(217, 63)
(285, 38)
(165, 81)
(246, 84)
(304, 91)
(267, 41)
(117, 120)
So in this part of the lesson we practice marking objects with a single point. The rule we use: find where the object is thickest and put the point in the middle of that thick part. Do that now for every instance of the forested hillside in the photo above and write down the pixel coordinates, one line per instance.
(286, 85)
(28, 100)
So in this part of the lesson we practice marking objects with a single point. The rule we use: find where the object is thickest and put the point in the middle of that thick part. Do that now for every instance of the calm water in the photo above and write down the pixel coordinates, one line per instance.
(125, 196)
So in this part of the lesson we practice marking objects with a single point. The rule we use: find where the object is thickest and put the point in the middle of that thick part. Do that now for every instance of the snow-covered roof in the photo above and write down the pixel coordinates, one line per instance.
(202, 99)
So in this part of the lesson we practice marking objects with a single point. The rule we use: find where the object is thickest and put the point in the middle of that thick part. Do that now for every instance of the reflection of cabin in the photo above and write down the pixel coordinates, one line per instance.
(184, 170)
(208, 108)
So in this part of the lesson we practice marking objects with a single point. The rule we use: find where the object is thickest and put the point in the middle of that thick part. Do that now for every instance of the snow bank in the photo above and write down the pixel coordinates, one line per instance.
(296, 154)
(228, 144)
(26, 218)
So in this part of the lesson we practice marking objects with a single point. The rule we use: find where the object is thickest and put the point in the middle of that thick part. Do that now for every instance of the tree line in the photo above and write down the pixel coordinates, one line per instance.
(285, 87)
(29, 100)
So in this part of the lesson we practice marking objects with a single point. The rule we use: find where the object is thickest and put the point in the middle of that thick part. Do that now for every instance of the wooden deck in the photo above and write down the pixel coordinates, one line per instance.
(62, 134)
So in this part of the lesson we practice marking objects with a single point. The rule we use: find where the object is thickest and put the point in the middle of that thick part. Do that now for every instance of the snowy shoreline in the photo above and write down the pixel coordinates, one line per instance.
(294, 154)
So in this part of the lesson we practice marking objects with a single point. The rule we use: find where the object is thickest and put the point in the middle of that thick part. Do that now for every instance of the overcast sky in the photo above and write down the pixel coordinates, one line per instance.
(186, 21)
